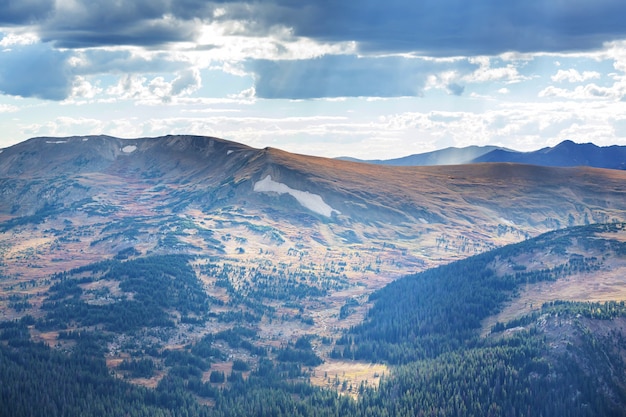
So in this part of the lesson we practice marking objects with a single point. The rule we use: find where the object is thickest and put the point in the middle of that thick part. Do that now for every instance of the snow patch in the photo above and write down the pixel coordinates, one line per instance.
(129, 149)
(229, 152)
(313, 202)
(85, 139)
(514, 330)
(506, 222)
(56, 141)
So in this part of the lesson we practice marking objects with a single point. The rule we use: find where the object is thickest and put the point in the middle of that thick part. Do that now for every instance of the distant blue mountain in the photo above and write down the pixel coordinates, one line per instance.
(565, 154)
(447, 156)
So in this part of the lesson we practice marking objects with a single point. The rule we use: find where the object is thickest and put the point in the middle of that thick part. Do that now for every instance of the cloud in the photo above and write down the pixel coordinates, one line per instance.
(444, 27)
(619, 126)
(147, 32)
(167, 52)
(156, 90)
(68, 126)
(352, 76)
(426, 27)
(487, 73)
(30, 68)
(83, 89)
(573, 76)
(35, 71)
(588, 92)
(103, 61)
(186, 83)
(455, 89)
(7, 108)
(11, 39)
(592, 91)
(355, 127)
(16, 12)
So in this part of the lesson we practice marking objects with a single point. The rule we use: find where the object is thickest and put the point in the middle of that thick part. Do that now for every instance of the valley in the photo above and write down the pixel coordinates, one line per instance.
(219, 270)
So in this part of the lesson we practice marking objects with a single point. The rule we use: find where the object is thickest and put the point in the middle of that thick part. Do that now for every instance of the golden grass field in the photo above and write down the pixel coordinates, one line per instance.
(346, 376)
(606, 284)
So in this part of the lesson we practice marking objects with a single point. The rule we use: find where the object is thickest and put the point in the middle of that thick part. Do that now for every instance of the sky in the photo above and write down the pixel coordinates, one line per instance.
(367, 79)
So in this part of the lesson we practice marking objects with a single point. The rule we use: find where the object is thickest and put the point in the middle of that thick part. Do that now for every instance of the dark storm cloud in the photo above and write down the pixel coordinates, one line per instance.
(147, 34)
(348, 76)
(38, 70)
(18, 12)
(104, 23)
(194, 9)
(35, 71)
(459, 27)
(429, 27)
(425, 27)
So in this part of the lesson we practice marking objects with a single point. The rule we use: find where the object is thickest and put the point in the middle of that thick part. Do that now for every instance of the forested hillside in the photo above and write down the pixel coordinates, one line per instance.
(441, 309)
(555, 361)
(565, 358)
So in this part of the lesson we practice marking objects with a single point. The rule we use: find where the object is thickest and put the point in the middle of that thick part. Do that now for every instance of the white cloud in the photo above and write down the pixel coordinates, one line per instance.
(616, 52)
(224, 41)
(11, 39)
(591, 91)
(128, 87)
(573, 76)
(519, 125)
(7, 108)
(248, 94)
(186, 82)
(156, 90)
(65, 126)
(487, 73)
(441, 80)
(82, 89)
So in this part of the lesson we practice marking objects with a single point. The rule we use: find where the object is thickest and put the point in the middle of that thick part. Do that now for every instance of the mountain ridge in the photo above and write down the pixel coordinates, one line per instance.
(447, 156)
(564, 154)
(70, 201)
(215, 171)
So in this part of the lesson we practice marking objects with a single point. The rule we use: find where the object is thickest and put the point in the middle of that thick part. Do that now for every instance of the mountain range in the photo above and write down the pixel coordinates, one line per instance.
(276, 201)
(565, 154)
(191, 264)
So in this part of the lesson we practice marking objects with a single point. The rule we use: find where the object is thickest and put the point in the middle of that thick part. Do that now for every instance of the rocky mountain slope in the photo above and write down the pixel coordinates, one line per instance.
(349, 227)
(70, 201)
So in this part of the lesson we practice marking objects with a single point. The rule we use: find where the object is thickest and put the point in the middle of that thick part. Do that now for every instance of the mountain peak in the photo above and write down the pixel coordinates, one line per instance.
(566, 142)
(565, 154)
(102, 153)
(570, 144)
